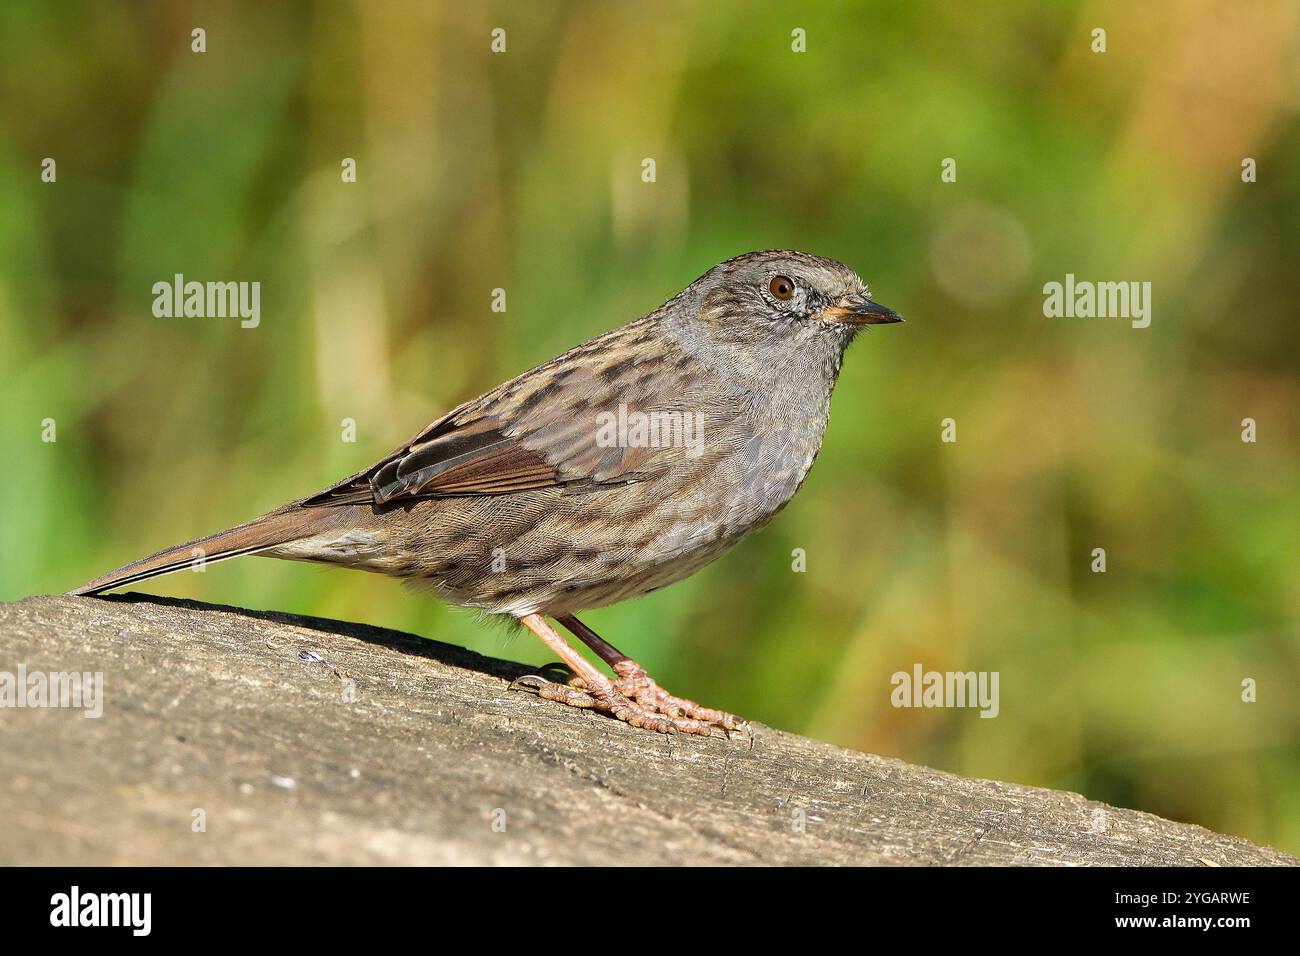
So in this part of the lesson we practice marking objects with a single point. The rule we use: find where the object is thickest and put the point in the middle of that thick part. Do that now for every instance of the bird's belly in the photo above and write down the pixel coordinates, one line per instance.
(557, 551)
(677, 534)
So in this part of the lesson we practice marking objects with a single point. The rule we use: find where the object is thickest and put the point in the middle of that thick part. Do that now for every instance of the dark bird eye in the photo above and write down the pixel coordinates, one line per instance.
(782, 287)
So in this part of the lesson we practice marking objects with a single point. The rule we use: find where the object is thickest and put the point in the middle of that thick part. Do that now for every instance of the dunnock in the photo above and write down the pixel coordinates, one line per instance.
(616, 469)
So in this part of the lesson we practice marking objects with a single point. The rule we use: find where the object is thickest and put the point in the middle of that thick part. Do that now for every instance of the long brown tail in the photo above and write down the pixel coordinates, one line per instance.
(268, 531)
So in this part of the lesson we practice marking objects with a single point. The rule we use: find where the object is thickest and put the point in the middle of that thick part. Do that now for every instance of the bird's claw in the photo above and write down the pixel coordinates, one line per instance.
(633, 698)
(552, 673)
(633, 682)
(531, 683)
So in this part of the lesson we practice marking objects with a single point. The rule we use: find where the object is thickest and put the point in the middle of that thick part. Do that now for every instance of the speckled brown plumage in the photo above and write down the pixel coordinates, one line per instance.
(517, 502)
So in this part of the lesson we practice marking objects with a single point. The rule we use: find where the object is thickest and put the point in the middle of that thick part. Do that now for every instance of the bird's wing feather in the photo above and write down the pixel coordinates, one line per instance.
(540, 429)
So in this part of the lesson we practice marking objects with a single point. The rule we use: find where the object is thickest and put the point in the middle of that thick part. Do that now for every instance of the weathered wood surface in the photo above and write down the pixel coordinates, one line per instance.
(220, 710)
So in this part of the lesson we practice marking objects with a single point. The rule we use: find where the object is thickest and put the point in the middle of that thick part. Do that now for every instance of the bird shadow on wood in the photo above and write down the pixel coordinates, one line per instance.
(413, 644)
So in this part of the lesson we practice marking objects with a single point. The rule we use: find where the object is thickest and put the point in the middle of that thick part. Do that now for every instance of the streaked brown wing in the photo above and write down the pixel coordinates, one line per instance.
(474, 457)
(539, 430)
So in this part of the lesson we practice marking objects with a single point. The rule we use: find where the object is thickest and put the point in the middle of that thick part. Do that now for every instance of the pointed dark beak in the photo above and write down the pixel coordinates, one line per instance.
(859, 310)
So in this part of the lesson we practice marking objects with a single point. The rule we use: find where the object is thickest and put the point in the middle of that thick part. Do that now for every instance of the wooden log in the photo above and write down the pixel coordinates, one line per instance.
(232, 736)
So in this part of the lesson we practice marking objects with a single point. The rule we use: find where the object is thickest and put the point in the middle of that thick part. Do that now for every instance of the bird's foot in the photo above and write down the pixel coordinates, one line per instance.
(635, 684)
(606, 699)
(633, 698)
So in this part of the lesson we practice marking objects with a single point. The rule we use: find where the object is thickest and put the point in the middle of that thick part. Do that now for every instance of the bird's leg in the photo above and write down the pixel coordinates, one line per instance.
(633, 682)
(590, 688)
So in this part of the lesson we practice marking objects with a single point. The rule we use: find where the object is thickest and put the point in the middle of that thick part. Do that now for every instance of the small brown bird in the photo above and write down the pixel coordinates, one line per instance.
(618, 468)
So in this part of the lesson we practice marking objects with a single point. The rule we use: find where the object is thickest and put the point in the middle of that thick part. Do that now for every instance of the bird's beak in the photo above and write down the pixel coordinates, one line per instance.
(859, 310)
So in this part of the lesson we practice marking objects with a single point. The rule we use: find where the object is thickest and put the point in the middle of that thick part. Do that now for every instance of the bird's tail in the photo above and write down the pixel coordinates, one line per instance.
(260, 534)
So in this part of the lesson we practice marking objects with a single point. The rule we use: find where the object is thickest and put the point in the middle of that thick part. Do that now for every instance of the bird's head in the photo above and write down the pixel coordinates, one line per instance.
(787, 294)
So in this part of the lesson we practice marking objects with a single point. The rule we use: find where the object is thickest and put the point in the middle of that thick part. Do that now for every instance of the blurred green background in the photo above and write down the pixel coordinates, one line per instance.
(522, 170)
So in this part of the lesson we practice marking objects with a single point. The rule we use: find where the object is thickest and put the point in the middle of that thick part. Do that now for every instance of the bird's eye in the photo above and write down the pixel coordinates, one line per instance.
(782, 287)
